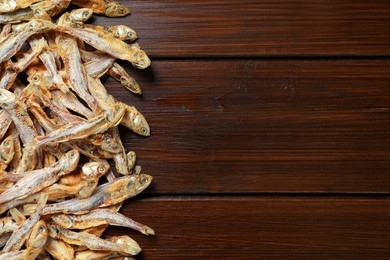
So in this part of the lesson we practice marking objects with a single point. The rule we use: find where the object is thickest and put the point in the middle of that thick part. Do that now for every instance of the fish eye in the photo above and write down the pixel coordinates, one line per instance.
(72, 155)
(118, 108)
(6, 143)
(85, 14)
(37, 12)
(35, 78)
(67, 18)
(124, 80)
(143, 180)
(101, 169)
(121, 10)
(144, 130)
(131, 35)
(91, 183)
(131, 183)
(42, 229)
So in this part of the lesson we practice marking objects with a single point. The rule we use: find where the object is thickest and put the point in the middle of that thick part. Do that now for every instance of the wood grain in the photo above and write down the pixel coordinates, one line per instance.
(248, 28)
(264, 126)
(253, 228)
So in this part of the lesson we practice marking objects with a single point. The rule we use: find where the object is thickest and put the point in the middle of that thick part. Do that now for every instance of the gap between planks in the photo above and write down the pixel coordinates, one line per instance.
(263, 196)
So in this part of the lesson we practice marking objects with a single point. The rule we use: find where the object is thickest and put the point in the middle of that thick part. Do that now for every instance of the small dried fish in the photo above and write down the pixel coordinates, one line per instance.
(38, 179)
(99, 217)
(109, 8)
(61, 117)
(93, 242)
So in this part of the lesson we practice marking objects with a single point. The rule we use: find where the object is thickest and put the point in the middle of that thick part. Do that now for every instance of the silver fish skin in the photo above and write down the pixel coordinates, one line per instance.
(19, 236)
(99, 217)
(14, 41)
(36, 180)
(76, 206)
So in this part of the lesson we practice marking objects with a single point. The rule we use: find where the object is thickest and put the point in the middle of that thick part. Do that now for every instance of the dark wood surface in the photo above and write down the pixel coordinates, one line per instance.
(261, 228)
(259, 28)
(270, 128)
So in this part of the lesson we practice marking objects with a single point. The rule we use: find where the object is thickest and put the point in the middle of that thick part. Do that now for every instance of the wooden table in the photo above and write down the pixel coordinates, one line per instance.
(270, 128)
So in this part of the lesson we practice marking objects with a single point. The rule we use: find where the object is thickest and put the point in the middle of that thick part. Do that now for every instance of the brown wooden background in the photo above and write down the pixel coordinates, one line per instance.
(270, 128)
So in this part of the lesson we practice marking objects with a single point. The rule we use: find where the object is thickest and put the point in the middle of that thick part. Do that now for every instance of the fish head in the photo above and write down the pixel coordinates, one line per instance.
(70, 160)
(139, 183)
(138, 121)
(7, 99)
(81, 15)
(39, 25)
(131, 84)
(131, 158)
(7, 148)
(115, 115)
(95, 169)
(40, 13)
(38, 235)
(131, 246)
(62, 220)
(41, 79)
(115, 9)
(141, 60)
(124, 33)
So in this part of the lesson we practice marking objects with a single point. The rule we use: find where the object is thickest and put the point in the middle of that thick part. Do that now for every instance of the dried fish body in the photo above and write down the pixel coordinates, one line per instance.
(11, 72)
(96, 255)
(20, 235)
(107, 7)
(106, 142)
(112, 46)
(14, 255)
(119, 73)
(52, 7)
(76, 206)
(16, 17)
(48, 59)
(97, 68)
(17, 202)
(132, 119)
(99, 217)
(36, 240)
(120, 158)
(19, 115)
(69, 52)
(71, 102)
(13, 5)
(14, 41)
(5, 121)
(8, 224)
(59, 249)
(36, 180)
(93, 242)
(7, 151)
(123, 188)
(96, 125)
(12, 166)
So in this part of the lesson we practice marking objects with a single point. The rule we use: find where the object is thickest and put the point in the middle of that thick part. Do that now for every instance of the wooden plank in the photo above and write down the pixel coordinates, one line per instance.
(258, 228)
(250, 27)
(264, 126)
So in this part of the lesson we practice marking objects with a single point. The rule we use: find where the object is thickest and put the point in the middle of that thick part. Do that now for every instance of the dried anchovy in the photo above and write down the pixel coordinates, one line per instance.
(58, 130)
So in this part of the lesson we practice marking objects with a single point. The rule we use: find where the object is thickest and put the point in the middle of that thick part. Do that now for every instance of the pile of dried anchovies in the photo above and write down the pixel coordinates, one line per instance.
(58, 127)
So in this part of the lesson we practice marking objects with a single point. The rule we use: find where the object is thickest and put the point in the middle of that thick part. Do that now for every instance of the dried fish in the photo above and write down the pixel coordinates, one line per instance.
(64, 116)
